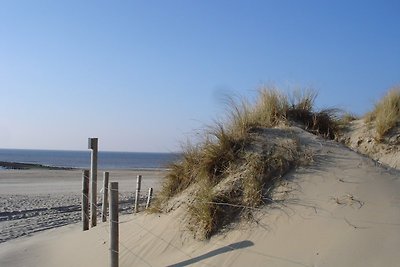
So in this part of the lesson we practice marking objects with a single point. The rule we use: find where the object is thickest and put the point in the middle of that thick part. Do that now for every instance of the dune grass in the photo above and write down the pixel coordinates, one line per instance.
(270, 108)
(239, 160)
(386, 114)
(324, 122)
(347, 117)
(243, 186)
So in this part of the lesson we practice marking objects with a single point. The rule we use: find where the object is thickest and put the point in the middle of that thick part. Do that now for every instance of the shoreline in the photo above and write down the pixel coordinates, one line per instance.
(11, 165)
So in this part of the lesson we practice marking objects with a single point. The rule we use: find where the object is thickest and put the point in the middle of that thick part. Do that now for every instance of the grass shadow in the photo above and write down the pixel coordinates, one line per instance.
(225, 249)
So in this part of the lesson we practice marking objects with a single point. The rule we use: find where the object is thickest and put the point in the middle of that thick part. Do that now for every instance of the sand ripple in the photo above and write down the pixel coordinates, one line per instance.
(22, 215)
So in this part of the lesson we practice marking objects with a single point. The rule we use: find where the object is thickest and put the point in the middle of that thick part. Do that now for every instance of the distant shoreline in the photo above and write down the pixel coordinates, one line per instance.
(8, 165)
(79, 160)
(29, 166)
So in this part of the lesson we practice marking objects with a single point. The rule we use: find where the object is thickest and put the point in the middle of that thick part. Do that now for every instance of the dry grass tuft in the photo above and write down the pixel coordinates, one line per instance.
(219, 150)
(303, 100)
(202, 212)
(346, 118)
(255, 170)
(180, 176)
(324, 122)
(386, 114)
(211, 210)
(246, 183)
(271, 107)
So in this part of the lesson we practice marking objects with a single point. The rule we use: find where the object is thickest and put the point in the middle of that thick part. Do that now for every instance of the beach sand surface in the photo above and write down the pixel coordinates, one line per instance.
(37, 181)
(35, 200)
(341, 210)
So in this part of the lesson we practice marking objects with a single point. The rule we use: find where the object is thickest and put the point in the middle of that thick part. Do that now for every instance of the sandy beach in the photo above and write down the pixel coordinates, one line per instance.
(341, 210)
(37, 199)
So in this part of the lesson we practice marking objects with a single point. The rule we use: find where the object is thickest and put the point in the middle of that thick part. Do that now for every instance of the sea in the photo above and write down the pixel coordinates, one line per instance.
(81, 159)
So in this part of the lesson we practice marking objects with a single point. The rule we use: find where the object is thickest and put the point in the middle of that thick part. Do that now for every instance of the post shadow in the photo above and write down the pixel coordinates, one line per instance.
(225, 249)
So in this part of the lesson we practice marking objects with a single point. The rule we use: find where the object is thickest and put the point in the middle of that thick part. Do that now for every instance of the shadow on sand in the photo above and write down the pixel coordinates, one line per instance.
(225, 249)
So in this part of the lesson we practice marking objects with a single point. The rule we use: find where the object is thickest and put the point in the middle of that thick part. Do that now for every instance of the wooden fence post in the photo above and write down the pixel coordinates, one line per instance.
(138, 184)
(149, 196)
(114, 225)
(85, 200)
(105, 197)
(93, 145)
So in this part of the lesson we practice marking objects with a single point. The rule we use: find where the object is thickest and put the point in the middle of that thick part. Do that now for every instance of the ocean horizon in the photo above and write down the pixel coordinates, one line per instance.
(111, 160)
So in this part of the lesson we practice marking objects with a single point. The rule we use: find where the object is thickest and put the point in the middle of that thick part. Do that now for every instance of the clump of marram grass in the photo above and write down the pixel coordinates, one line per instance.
(255, 170)
(347, 117)
(324, 122)
(182, 174)
(219, 150)
(386, 114)
(207, 161)
(211, 209)
(271, 108)
(237, 163)
(246, 184)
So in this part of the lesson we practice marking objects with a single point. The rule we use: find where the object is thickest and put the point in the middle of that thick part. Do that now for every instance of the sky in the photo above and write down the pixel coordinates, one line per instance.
(145, 76)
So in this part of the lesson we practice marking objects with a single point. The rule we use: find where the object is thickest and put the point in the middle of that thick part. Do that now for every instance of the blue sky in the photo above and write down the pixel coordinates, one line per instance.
(145, 75)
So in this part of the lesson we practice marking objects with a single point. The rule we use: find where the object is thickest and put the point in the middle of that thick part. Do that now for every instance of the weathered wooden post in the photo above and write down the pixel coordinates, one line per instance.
(114, 225)
(85, 200)
(138, 184)
(93, 145)
(149, 196)
(105, 197)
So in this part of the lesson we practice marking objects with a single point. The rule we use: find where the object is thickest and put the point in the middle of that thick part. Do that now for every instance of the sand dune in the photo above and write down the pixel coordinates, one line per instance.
(341, 210)
(360, 137)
